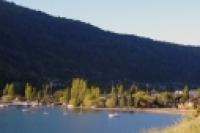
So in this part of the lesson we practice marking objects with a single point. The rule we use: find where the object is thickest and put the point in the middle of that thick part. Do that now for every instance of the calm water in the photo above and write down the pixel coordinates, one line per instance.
(56, 120)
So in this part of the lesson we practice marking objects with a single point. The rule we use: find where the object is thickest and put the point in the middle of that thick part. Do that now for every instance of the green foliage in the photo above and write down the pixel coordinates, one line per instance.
(185, 126)
(198, 92)
(89, 101)
(78, 91)
(58, 96)
(121, 95)
(66, 95)
(39, 95)
(81, 94)
(196, 112)
(142, 99)
(46, 92)
(92, 97)
(9, 90)
(120, 90)
(101, 102)
(164, 98)
(73, 101)
(111, 102)
(95, 92)
(129, 97)
(29, 92)
(122, 101)
(185, 95)
(62, 96)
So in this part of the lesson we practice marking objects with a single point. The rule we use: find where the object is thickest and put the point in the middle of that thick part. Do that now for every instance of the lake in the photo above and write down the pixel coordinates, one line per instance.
(57, 120)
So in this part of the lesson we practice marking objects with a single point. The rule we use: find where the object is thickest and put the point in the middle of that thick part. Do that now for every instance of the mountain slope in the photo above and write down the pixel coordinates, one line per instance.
(37, 47)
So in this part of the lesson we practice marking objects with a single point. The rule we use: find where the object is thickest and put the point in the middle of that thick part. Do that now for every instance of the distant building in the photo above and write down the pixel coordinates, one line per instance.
(178, 92)
(193, 93)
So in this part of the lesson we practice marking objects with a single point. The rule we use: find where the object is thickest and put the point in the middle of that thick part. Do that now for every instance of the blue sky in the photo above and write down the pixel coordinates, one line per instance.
(169, 20)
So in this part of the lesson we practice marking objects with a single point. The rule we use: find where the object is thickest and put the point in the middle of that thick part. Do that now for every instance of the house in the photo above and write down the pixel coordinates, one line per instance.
(193, 93)
(178, 92)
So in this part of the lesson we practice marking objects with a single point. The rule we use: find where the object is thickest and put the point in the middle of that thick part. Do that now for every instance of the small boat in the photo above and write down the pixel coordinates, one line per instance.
(65, 113)
(25, 110)
(2, 106)
(34, 104)
(18, 103)
(45, 113)
(113, 115)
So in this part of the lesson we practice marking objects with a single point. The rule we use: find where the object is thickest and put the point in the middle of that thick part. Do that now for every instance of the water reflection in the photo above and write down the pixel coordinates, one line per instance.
(60, 120)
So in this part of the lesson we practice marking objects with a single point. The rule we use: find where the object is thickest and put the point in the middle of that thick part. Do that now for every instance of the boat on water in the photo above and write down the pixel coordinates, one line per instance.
(35, 104)
(19, 103)
(65, 113)
(25, 110)
(3, 106)
(45, 113)
(113, 115)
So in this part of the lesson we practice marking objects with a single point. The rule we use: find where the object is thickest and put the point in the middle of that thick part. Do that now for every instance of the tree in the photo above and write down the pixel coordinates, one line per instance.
(142, 99)
(185, 95)
(129, 97)
(89, 101)
(58, 96)
(92, 97)
(39, 95)
(82, 89)
(78, 91)
(29, 92)
(8, 93)
(110, 103)
(9, 90)
(198, 92)
(46, 91)
(74, 92)
(66, 95)
(120, 90)
(122, 101)
(164, 98)
(5, 90)
(95, 92)
(73, 101)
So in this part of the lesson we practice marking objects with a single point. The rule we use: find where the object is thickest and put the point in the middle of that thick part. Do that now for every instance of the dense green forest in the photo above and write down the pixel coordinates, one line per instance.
(38, 48)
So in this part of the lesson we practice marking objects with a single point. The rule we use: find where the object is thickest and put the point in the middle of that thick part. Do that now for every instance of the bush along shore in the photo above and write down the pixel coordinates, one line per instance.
(81, 95)
(190, 124)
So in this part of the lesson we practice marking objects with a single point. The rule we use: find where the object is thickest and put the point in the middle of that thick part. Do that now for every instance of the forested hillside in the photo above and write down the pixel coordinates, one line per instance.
(36, 47)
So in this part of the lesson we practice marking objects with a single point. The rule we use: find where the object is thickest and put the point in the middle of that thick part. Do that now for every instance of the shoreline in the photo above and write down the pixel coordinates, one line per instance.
(172, 111)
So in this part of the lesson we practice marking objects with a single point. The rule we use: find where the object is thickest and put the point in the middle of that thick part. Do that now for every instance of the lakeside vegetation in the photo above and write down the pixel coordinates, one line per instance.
(81, 94)
(189, 125)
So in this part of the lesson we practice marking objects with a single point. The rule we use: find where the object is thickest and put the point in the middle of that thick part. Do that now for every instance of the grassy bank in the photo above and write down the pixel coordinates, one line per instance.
(190, 125)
